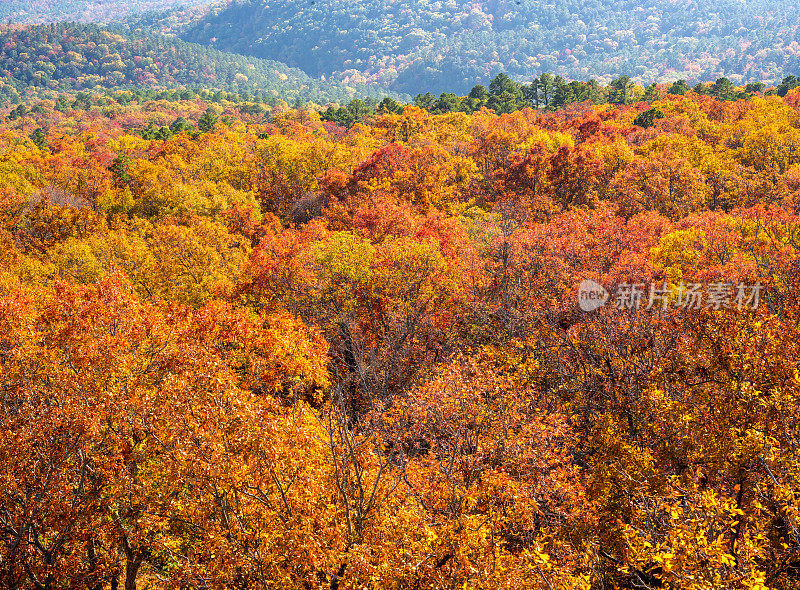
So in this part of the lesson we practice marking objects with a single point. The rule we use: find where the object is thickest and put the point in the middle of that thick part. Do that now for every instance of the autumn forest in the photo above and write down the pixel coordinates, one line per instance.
(245, 346)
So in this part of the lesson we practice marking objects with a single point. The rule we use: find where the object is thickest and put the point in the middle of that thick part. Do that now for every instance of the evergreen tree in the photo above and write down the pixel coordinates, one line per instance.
(619, 91)
(754, 87)
(119, 170)
(447, 103)
(389, 105)
(425, 101)
(651, 93)
(545, 84)
(39, 138)
(207, 121)
(647, 118)
(723, 89)
(502, 83)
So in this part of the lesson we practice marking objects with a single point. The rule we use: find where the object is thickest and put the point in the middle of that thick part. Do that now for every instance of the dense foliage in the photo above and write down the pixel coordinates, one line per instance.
(46, 11)
(265, 351)
(58, 57)
(552, 93)
(450, 46)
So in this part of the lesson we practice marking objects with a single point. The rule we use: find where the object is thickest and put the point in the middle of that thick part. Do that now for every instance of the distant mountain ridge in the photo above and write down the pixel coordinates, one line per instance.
(67, 57)
(449, 45)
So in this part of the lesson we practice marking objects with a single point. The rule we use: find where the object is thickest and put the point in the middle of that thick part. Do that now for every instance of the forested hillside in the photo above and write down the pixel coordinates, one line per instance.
(452, 45)
(263, 351)
(51, 58)
(47, 11)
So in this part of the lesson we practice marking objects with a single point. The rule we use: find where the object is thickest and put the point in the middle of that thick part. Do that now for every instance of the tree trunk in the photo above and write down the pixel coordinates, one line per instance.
(131, 571)
(133, 561)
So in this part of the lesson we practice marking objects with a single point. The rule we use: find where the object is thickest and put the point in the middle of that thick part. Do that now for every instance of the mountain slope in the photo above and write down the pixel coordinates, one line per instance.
(418, 45)
(75, 57)
(47, 11)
